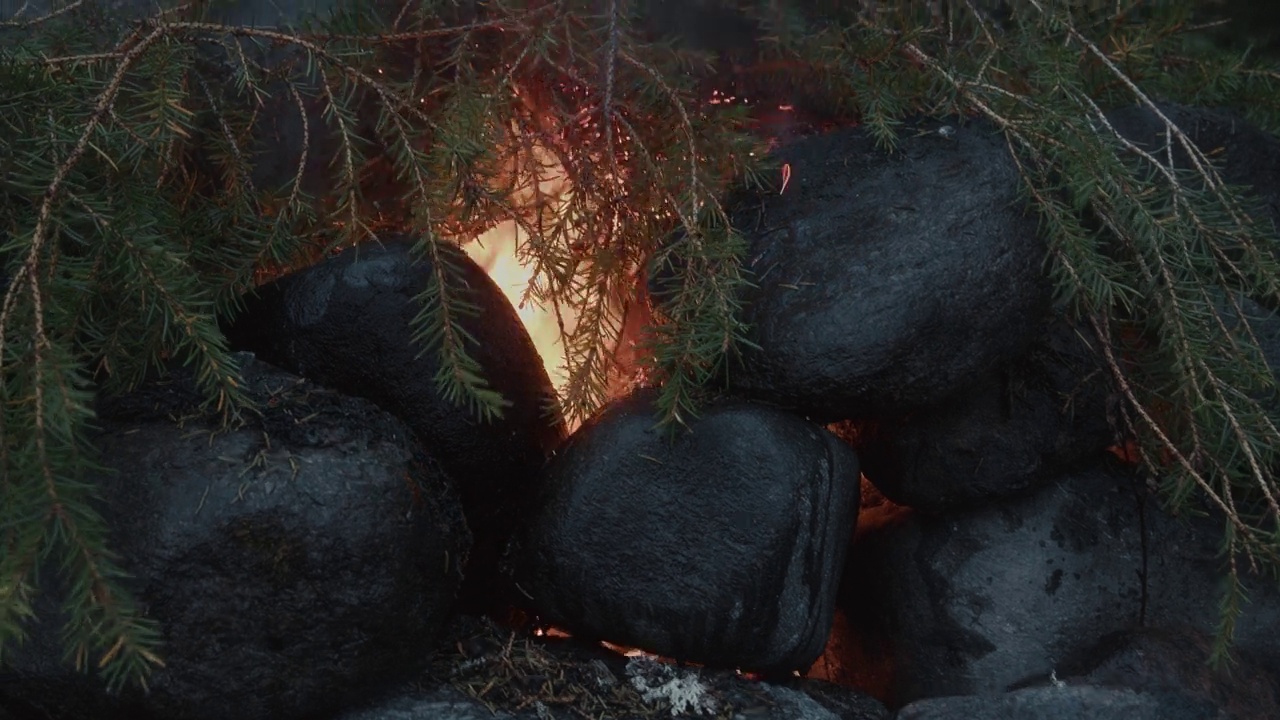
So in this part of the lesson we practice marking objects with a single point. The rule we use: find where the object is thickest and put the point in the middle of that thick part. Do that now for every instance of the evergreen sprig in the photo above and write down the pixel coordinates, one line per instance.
(135, 211)
(1150, 247)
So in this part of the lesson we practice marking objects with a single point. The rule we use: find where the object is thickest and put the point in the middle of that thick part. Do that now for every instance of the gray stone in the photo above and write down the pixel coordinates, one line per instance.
(978, 600)
(982, 600)
(887, 282)
(1066, 703)
(721, 545)
(444, 703)
(308, 558)
(1176, 660)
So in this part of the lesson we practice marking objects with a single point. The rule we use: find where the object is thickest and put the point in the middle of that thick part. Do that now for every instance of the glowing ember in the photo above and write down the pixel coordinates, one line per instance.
(555, 632)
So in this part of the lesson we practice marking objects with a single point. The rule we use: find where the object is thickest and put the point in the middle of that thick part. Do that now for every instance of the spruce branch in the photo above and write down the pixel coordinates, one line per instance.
(33, 22)
(596, 144)
(1160, 246)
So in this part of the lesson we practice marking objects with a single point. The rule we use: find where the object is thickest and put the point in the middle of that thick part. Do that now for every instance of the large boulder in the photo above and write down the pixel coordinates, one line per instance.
(721, 544)
(885, 283)
(306, 558)
(1016, 429)
(992, 597)
(347, 323)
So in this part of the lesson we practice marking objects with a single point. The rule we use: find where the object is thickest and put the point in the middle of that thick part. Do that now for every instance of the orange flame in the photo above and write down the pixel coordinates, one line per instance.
(497, 251)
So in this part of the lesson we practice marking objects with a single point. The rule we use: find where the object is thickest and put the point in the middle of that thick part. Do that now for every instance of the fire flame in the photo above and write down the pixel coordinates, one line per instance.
(497, 250)
(544, 185)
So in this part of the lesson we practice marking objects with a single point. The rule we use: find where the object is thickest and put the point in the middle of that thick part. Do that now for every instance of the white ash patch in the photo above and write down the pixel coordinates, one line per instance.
(681, 689)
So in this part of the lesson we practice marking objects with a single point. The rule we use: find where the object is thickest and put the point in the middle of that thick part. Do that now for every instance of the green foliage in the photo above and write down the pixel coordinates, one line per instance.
(135, 215)
(1150, 247)
(134, 212)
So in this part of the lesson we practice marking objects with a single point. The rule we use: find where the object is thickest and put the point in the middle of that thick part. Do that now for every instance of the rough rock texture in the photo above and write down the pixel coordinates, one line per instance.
(306, 559)
(1176, 660)
(762, 701)
(722, 546)
(444, 703)
(346, 323)
(1014, 430)
(979, 601)
(887, 283)
(523, 677)
(1066, 703)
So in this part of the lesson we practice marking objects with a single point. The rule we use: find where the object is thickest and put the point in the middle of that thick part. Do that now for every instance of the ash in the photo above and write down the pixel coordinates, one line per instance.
(680, 688)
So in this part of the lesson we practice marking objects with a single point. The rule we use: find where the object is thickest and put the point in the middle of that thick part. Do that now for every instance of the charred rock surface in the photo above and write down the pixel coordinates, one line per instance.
(1084, 702)
(888, 282)
(1016, 429)
(1175, 661)
(346, 324)
(721, 545)
(987, 599)
(305, 559)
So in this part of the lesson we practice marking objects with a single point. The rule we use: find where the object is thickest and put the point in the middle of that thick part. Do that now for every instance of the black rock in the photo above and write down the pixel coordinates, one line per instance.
(722, 545)
(346, 324)
(1017, 428)
(1063, 703)
(1000, 596)
(305, 559)
(1177, 660)
(887, 283)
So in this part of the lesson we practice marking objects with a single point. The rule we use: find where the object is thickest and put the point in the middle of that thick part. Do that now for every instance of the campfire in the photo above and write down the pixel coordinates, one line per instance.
(501, 252)
(498, 252)
(543, 187)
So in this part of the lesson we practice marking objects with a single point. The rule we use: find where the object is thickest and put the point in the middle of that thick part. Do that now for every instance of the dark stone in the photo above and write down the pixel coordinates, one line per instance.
(982, 600)
(346, 323)
(526, 677)
(1063, 703)
(888, 282)
(1186, 575)
(443, 703)
(746, 701)
(1015, 430)
(305, 559)
(845, 702)
(721, 545)
(1248, 155)
(1177, 660)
